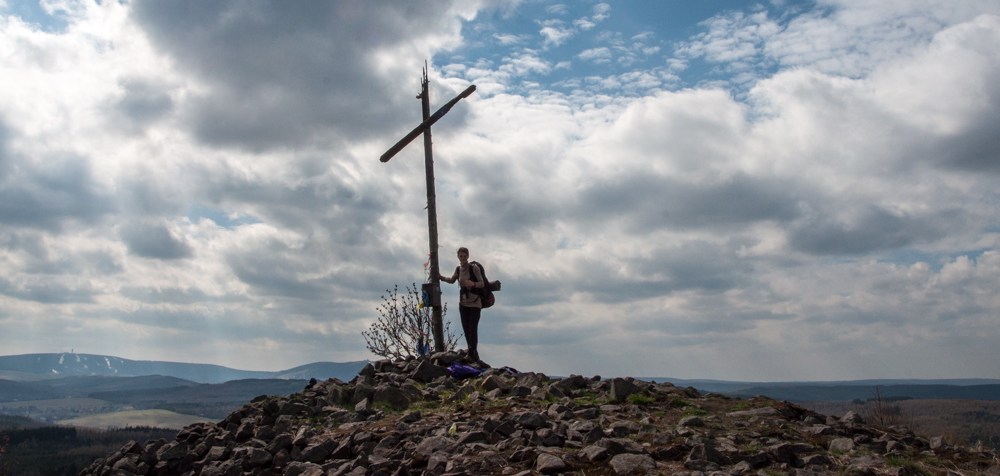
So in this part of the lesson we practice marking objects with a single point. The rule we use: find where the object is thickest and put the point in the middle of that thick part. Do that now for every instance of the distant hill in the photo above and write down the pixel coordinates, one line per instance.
(24, 367)
(846, 393)
(322, 370)
(764, 388)
(83, 386)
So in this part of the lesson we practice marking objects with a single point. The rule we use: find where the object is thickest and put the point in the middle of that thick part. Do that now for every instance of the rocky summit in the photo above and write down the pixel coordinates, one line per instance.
(412, 418)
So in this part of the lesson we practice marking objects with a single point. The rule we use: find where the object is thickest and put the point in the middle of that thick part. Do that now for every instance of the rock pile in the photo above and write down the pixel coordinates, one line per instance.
(411, 418)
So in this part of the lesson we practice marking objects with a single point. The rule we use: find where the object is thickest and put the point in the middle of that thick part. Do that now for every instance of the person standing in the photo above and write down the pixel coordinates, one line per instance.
(470, 306)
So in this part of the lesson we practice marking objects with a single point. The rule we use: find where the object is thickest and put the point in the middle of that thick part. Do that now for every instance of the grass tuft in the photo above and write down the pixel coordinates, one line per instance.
(691, 411)
(903, 462)
(639, 399)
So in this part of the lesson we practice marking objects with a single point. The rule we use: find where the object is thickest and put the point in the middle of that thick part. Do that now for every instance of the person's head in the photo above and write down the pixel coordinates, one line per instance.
(463, 254)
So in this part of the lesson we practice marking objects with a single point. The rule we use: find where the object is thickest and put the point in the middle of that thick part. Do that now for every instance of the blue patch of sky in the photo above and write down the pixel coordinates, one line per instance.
(936, 261)
(220, 217)
(32, 12)
(615, 48)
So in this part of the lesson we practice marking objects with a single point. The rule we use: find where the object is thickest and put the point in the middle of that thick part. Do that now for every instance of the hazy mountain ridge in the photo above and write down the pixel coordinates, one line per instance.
(83, 386)
(45, 376)
(70, 364)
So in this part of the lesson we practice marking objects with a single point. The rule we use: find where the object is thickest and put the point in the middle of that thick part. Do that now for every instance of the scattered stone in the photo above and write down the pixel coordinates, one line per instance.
(691, 421)
(765, 411)
(852, 418)
(841, 445)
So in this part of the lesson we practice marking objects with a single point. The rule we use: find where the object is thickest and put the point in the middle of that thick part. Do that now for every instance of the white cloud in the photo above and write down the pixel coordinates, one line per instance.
(525, 63)
(646, 35)
(508, 40)
(555, 35)
(584, 23)
(557, 9)
(595, 54)
(601, 12)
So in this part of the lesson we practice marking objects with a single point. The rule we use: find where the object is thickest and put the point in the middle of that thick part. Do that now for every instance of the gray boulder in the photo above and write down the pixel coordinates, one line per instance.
(426, 372)
(494, 382)
(625, 464)
(621, 389)
(434, 444)
(594, 453)
(547, 464)
(617, 446)
(393, 396)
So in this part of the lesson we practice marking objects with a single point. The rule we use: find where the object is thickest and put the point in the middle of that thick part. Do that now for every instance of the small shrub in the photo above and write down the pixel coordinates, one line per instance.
(403, 324)
(679, 403)
(880, 413)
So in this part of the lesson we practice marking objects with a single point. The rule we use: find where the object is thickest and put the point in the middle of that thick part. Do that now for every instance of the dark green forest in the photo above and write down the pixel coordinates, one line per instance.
(58, 451)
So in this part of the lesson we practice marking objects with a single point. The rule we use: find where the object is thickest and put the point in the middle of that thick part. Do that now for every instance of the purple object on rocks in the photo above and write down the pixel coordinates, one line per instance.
(462, 372)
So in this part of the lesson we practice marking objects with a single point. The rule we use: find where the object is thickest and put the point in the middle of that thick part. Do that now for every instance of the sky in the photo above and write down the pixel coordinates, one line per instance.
(774, 191)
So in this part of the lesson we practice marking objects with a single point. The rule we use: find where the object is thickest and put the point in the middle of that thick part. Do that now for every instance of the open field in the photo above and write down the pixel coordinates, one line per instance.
(958, 421)
(51, 410)
(135, 418)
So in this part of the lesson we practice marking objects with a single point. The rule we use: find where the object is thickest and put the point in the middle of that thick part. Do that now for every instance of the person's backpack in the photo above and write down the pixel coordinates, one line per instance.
(485, 293)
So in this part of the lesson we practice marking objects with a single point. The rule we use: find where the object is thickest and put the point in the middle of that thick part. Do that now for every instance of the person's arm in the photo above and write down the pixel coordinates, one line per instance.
(452, 279)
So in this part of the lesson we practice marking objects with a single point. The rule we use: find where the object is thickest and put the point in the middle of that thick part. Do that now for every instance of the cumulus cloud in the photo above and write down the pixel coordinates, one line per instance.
(272, 75)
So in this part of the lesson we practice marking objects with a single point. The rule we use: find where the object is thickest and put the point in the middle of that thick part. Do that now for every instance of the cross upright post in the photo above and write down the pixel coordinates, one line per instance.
(437, 324)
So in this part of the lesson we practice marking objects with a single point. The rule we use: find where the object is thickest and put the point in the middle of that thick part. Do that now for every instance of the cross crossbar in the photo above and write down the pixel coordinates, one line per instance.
(429, 122)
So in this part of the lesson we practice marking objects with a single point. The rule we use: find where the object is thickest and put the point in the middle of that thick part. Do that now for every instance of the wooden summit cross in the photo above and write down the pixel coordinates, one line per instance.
(437, 326)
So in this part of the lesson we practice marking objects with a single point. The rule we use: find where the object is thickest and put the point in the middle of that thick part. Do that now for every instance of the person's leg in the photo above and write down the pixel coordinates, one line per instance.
(467, 327)
(472, 333)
